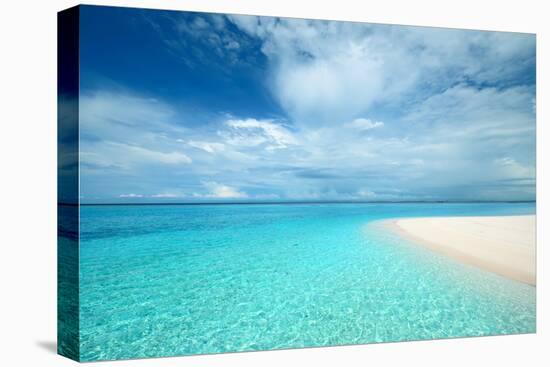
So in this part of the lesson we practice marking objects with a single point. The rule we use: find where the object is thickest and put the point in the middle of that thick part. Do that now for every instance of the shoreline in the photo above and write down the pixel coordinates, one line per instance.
(505, 245)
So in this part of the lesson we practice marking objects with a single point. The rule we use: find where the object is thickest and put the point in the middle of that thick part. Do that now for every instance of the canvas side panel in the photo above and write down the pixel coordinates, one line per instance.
(68, 343)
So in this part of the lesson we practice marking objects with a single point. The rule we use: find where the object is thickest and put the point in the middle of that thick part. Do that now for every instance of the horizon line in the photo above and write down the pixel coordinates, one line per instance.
(301, 202)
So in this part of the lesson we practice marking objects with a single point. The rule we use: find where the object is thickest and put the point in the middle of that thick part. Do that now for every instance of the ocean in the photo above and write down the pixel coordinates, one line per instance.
(162, 280)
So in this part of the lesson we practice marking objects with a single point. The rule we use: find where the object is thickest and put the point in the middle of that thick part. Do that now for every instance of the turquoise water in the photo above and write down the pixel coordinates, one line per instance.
(179, 280)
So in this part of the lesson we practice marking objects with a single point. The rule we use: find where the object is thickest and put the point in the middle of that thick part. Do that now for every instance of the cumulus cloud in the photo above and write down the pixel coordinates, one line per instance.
(367, 112)
(128, 143)
(450, 145)
(221, 191)
(328, 71)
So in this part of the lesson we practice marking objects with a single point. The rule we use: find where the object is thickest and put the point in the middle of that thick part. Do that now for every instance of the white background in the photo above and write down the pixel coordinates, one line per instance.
(28, 182)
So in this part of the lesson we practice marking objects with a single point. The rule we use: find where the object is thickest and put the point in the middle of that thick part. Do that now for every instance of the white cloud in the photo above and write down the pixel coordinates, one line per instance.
(488, 133)
(364, 193)
(210, 147)
(325, 72)
(252, 132)
(109, 153)
(506, 161)
(365, 124)
(449, 134)
(322, 71)
(200, 23)
(130, 196)
(113, 115)
(123, 131)
(155, 156)
(166, 195)
(221, 191)
(182, 36)
(509, 168)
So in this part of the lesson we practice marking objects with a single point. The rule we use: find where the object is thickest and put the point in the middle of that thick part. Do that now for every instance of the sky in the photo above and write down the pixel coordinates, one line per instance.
(198, 107)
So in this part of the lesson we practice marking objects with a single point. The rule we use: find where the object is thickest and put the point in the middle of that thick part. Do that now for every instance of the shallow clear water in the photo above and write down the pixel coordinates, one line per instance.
(175, 280)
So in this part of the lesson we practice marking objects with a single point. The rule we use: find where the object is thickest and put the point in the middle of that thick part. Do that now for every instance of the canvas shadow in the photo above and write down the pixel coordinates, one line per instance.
(48, 345)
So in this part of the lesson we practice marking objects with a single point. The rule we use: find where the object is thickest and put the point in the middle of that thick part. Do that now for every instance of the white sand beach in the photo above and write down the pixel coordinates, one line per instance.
(504, 245)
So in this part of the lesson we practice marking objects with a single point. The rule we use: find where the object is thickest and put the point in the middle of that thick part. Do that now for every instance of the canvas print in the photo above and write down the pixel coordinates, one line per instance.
(233, 183)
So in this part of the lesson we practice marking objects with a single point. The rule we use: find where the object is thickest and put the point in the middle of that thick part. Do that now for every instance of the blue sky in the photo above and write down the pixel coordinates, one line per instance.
(193, 107)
